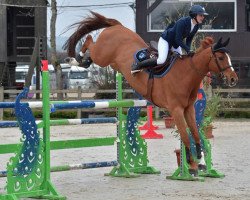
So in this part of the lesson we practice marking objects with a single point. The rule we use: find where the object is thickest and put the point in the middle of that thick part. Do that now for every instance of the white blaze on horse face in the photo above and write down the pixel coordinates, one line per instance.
(229, 61)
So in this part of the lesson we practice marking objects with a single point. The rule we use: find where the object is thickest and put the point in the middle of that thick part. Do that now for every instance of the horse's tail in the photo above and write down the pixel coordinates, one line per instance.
(86, 26)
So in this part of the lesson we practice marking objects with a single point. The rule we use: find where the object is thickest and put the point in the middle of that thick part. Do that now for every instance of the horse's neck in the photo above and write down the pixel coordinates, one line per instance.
(196, 71)
(201, 61)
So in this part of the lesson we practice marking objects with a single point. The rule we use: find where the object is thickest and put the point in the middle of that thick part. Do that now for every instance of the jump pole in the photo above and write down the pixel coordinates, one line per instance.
(60, 122)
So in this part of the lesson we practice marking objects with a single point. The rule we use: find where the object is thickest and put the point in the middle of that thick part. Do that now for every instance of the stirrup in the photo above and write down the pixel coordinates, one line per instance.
(136, 71)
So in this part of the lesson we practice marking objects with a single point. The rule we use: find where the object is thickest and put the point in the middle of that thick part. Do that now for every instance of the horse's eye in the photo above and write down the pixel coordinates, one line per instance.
(221, 58)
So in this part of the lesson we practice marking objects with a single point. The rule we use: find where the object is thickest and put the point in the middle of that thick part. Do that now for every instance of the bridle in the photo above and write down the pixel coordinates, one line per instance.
(213, 55)
(221, 70)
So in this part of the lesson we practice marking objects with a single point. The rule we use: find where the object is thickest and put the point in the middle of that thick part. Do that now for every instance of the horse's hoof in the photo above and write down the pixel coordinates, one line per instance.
(86, 63)
(202, 167)
(193, 172)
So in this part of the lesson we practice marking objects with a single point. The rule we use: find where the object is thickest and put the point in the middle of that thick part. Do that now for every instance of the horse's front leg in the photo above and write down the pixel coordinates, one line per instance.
(189, 114)
(178, 114)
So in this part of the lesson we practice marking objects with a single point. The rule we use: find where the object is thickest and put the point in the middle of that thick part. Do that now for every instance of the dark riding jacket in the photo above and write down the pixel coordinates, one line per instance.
(181, 30)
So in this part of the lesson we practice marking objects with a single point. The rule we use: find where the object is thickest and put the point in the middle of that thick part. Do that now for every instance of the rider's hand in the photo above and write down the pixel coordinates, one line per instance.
(190, 53)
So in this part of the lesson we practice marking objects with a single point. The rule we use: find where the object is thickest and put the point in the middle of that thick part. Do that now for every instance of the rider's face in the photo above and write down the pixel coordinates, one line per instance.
(200, 18)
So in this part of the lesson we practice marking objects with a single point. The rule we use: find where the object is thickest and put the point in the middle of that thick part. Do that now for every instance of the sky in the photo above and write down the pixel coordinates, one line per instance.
(68, 16)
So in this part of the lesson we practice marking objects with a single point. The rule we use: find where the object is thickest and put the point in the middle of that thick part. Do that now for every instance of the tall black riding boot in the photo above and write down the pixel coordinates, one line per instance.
(152, 62)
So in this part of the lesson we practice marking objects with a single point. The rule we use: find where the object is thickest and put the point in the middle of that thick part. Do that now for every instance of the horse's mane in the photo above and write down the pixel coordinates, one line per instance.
(205, 43)
(91, 23)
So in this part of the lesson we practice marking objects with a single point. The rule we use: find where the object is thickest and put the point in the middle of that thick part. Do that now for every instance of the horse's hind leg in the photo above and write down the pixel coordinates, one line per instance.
(89, 41)
(84, 58)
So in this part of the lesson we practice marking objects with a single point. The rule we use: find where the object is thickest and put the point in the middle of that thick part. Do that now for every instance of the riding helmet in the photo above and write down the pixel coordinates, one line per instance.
(197, 10)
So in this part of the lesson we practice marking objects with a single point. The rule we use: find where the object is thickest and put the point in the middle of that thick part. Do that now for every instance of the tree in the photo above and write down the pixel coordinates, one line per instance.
(54, 60)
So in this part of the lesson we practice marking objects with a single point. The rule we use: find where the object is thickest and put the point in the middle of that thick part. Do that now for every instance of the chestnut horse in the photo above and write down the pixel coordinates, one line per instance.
(177, 90)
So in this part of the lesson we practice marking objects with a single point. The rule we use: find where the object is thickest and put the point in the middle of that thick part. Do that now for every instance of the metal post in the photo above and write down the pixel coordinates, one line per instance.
(1, 100)
(46, 117)
(79, 95)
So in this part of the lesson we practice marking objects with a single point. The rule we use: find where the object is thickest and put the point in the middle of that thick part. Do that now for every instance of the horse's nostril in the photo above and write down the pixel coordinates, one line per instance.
(233, 80)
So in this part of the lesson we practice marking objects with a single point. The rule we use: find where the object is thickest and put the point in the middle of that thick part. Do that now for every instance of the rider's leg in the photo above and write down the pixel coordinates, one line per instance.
(151, 62)
(163, 48)
(162, 56)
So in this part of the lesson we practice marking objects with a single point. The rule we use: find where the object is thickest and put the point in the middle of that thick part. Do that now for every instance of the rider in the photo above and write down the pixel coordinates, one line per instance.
(172, 38)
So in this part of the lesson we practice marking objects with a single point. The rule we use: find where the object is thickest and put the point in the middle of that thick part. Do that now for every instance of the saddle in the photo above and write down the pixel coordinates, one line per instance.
(157, 71)
(152, 52)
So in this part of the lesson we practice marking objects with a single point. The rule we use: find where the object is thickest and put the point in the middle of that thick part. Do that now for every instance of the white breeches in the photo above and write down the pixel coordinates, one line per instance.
(163, 48)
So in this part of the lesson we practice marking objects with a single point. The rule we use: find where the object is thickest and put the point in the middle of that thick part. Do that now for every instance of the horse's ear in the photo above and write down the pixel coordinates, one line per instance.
(226, 43)
(218, 44)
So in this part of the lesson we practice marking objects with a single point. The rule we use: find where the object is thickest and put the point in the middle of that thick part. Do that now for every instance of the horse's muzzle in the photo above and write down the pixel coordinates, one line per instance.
(232, 82)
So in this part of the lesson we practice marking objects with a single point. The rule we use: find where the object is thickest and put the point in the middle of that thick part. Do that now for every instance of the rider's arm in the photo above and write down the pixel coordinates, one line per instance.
(180, 28)
(189, 39)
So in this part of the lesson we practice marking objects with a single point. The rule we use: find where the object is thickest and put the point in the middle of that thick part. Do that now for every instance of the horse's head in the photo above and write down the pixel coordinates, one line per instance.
(220, 62)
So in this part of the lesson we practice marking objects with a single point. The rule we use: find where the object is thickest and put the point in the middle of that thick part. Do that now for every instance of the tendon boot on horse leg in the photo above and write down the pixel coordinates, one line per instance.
(81, 61)
(84, 59)
(137, 67)
(198, 150)
(188, 155)
(190, 161)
